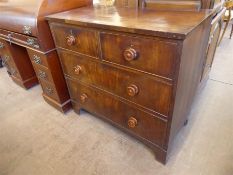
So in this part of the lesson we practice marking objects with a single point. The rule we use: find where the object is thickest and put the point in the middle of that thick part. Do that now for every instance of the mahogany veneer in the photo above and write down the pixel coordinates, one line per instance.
(138, 69)
(132, 69)
(174, 5)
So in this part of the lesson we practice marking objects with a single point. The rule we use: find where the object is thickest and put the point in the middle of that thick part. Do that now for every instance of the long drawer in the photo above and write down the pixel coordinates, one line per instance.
(103, 104)
(20, 39)
(131, 85)
(151, 55)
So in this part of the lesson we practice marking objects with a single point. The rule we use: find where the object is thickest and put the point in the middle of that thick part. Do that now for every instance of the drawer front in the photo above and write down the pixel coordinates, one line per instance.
(37, 58)
(2, 47)
(135, 121)
(7, 60)
(134, 86)
(49, 90)
(21, 39)
(4, 50)
(76, 39)
(151, 55)
(10, 66)
(43, 73)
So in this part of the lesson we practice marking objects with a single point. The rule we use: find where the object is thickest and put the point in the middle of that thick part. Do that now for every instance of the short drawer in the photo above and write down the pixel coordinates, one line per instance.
(146, 54)
(8, 62)
(81, 40)
(43, 73)
(37, 58)
(49, 90)
(4, 51)
(105, 105)
(132, 85)
(2, 47)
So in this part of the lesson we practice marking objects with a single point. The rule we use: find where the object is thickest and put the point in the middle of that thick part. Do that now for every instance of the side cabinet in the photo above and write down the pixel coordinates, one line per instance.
(212, 46)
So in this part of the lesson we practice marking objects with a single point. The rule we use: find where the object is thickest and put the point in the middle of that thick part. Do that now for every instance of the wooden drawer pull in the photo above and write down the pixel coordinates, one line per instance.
(132, 122)
(130, 54)
(132, 90)
(1, 45)
(77, 69)
(83, 98)
(70, 40)
(36, 59)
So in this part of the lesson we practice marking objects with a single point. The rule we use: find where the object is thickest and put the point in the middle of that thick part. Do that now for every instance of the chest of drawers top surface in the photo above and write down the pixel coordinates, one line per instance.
(169, 24)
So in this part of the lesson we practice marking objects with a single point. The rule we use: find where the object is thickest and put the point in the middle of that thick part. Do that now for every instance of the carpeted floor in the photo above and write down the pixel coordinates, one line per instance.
(35, 139)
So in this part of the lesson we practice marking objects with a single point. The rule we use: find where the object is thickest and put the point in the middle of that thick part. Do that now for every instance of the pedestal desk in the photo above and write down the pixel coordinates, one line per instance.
(27, 48)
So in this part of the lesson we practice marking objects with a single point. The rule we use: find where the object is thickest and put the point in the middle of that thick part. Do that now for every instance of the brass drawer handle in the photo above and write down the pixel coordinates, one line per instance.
(27, 30)
(132, 122)
(132, 90)
(13, 71)
(48, 90)
(5, 59)
(130, 54)
(32, 42)
(70, 40)
(77, 70)
(36, 59)
(42, 74)
(1, 45)
(83, 98)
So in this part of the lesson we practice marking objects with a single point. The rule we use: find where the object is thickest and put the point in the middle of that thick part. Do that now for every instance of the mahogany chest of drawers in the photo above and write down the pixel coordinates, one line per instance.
(27, 49)
(137, 69)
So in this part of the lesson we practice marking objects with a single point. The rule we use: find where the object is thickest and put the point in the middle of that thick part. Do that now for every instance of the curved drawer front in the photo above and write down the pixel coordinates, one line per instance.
(76, 39)
(147, 54)
(135, 121)
(134, 86)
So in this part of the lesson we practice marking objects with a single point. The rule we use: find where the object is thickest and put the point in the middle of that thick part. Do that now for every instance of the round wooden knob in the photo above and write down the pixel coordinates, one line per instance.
(132, 122)
(70, 40)
(130, 54)
(83, 98)
(77, 69)
(132, 90)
